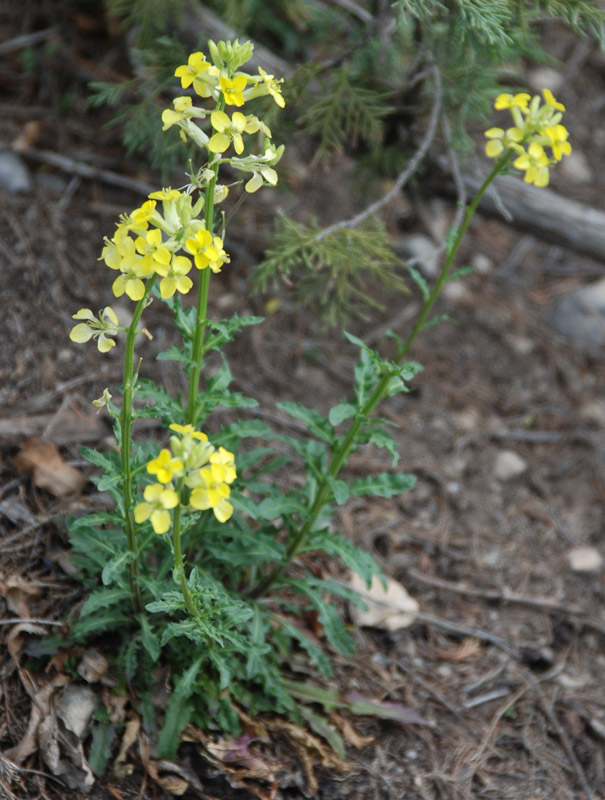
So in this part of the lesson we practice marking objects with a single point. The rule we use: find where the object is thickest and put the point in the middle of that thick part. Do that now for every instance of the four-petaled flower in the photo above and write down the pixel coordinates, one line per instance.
(272, 86)
(233, 88)
(512, 101)
(153, 251)
(159, 500)
(557, 139)
(207, 251)
(230, 130)
(174, 276)
(193, 73)
(211, 491)
(165, 467)
(99, 328)
(535, 163)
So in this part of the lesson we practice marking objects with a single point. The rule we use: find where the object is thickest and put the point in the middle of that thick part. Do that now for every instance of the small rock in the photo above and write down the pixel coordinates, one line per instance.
(14, 175)
(545, 78)
(580, 316)
(593, 413)
(423, 249)
(456, 292)
(585, 559)
(482, 263)
(576, 169)
(520, 344)
(509, 465)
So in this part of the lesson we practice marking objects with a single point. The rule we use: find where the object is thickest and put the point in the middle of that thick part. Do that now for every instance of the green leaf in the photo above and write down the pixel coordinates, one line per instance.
(387, 484)
(383, 439)
(438, 320)
(340, 490)
(341, 412)
(178, 712)
(103, 734)
(354, 557)
(109, 462)
(149, 640)
(173, 353)
(104, 598)
(315, 422)
(323, 728)
(315, 653)
(116, 566)
(107, 621)
(356, 703)
(272, 507)
(460, 273)
(327, 614)
(420, 282)
(326, 696)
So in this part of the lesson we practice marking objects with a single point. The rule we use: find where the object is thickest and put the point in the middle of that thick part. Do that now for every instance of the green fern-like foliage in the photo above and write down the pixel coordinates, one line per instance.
(335, 274)
(148, 17)
(344, 114)
(139, 106)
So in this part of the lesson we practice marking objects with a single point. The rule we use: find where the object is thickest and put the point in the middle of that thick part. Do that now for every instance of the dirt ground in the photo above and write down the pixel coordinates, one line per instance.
(507, 659)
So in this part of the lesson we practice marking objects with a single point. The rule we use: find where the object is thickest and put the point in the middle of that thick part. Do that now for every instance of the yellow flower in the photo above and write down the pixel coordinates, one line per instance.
(193, 73)
(227, 460)
(232, 89)
(174, 276)
(153, 251)
(182, 105)
(159, 500)
(500, 140)
(164, 467)
(272, 87)
(512, 101)
(550, 100)
(188, 430)
(230, 130)
(99, 328)
(193, 448)
(166, 194)
(213, 492)
(207, 251)
(557, 139)
(259, 176)
(535, 163)
(137, 220)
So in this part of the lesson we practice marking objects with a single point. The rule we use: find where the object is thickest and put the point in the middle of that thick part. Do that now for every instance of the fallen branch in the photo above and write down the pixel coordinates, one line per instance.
(549, 215)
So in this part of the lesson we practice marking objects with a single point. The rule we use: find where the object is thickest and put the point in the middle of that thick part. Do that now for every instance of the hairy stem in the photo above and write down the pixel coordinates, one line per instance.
(125, 437)
(341, 454)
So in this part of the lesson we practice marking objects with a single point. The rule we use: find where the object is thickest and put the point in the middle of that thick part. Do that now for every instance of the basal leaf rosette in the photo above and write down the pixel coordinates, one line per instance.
(537, 126)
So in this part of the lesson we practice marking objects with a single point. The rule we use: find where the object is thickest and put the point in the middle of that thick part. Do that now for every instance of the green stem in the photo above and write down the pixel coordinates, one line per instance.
(178, 554)
(125, 437)
(341, 454)
(201, 319)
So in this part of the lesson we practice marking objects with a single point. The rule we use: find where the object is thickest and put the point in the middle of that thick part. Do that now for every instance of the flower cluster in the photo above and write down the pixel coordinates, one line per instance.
(537, 126)
(161, 244)
(222, 80)
(192, 462)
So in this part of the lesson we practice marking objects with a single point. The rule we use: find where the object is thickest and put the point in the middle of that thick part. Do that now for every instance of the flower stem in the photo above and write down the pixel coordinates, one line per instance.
(125, 437)
(341, 454)
(178, 554)
(201, 319)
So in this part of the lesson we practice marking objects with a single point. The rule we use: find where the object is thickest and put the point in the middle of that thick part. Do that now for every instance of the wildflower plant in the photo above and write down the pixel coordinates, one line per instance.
(201, 564)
